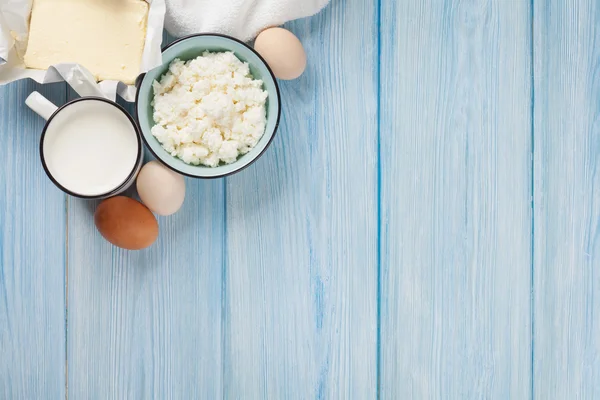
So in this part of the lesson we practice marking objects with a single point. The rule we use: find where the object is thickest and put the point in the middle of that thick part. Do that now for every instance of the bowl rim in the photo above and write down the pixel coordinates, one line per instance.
(275, 128)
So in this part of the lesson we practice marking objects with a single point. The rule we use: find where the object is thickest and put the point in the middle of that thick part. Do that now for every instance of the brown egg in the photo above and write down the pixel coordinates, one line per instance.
(126, 223)
(282, 51)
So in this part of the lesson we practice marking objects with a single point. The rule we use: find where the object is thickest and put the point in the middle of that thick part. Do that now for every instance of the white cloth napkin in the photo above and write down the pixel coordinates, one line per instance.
(242, 19)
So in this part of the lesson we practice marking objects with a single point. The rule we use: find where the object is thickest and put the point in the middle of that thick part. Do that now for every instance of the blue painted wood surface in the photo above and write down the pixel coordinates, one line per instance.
(32, 255)
(455, 200)
(424, 226)
(301, 229)
(148, 324)
(567, 200)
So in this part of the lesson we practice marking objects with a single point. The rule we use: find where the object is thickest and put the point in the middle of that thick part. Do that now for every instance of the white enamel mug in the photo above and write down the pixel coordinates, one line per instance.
(90, 148)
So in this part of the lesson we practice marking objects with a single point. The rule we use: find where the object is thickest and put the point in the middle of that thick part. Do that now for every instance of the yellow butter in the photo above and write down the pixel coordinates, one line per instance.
(105, 36)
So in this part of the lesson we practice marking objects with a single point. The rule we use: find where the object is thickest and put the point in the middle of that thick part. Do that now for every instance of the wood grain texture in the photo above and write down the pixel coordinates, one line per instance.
(32, 255)
(265, 285)
(301, 233)
(455, 197)
(147, 325)
(567, 206)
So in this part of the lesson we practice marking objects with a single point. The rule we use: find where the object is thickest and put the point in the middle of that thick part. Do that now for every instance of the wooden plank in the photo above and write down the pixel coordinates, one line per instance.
(32, 254)
(456, 199)
(567, 210)
(147, 324)
(301, 268)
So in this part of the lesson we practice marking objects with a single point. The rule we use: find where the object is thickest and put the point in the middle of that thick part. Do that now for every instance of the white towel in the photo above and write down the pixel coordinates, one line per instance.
(242, 19)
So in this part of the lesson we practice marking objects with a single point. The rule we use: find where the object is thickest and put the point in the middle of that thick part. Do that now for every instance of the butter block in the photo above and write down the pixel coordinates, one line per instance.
(105, 36)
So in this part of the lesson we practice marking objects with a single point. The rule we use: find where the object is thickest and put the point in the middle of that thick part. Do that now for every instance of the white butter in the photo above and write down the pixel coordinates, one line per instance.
(105, 36)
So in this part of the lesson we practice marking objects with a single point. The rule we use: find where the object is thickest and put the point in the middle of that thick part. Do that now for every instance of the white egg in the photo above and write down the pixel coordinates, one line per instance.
(160, 189)
(283, 51)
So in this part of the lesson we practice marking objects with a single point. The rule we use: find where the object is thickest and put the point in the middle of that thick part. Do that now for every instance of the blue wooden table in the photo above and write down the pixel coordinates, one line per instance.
(425, 226)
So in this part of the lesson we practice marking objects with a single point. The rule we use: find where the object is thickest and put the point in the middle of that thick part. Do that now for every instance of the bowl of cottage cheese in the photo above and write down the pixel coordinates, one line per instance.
(211, 109)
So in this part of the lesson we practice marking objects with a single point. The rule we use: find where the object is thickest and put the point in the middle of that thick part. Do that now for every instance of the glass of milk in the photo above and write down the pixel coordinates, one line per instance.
(90, 148)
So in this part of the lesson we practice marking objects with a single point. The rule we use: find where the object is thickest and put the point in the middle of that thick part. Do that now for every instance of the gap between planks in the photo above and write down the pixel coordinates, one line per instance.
(378, 211)
(66, 281)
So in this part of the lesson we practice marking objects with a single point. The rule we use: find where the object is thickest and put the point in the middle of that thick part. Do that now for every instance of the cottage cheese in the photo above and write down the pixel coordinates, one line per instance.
(209, 110)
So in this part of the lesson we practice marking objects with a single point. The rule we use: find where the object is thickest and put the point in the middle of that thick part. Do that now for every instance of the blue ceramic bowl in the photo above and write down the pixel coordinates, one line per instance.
(189, 48)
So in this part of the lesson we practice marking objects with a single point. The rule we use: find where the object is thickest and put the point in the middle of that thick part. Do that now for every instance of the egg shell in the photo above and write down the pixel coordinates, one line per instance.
(160, 189)
(283, 51)
(126, 223)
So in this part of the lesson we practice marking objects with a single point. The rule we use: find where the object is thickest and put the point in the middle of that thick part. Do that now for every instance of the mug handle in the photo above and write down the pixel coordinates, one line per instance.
(41, 105)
